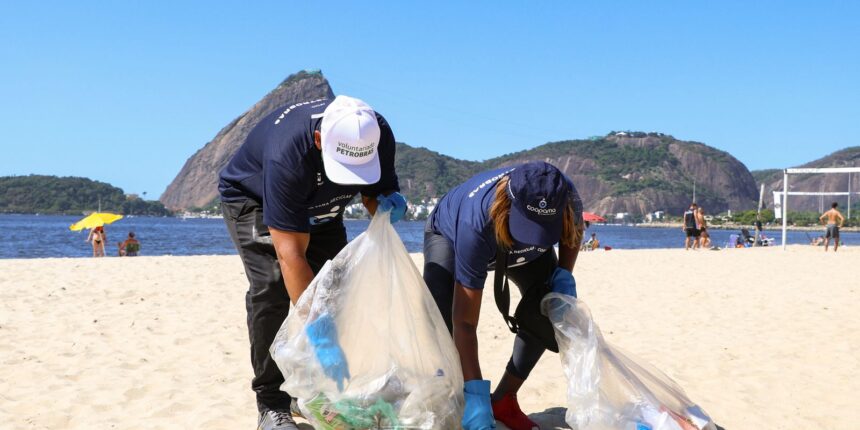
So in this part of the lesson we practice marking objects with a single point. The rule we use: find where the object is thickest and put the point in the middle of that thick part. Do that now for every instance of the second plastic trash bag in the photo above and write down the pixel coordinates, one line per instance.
(365, 346)
(608, 389)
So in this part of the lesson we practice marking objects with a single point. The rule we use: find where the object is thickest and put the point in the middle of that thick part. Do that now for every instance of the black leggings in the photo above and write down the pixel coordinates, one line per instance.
(439, 277)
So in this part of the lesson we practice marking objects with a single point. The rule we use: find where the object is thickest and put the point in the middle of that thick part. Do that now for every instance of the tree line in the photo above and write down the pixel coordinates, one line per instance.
(70, 195)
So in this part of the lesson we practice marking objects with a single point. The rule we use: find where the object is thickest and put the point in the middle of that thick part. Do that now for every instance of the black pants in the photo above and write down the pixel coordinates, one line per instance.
(267, 301)
(439, 277)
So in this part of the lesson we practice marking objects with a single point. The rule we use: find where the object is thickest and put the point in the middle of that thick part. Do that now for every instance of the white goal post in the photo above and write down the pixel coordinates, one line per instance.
(800, 171)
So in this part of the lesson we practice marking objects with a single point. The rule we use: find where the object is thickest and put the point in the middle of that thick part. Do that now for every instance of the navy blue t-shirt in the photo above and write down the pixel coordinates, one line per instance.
(463, 217)
(280, 167)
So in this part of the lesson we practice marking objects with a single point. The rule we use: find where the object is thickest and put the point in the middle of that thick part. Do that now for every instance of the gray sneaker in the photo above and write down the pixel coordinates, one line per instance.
(294, 409)
(276, 420)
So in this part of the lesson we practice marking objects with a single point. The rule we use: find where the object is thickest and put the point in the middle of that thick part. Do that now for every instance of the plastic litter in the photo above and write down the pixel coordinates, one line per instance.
(609, 389)
(404, 371)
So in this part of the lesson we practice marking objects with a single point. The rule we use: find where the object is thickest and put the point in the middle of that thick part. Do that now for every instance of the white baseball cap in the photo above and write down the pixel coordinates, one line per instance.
(349, 139)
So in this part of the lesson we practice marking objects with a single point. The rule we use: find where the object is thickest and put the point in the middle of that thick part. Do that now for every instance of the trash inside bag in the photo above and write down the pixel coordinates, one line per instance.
(609, 389)
(365, 346)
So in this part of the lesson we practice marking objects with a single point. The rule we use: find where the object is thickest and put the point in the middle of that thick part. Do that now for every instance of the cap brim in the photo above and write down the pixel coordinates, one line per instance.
(346, 174)
(527, 231)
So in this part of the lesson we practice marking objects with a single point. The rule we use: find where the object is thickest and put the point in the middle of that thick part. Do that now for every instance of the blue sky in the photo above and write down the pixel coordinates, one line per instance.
(125, 92)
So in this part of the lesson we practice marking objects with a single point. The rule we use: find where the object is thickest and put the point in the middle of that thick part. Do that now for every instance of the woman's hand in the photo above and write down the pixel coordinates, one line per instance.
(562, 282)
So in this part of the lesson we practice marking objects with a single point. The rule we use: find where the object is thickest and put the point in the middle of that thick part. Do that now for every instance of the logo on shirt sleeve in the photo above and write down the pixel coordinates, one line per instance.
(287, 111)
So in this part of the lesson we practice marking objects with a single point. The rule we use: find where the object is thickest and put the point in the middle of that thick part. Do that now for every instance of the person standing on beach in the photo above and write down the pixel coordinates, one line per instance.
(830, 219)
(690, 227)
(517, 213)
(97, 238)
(758, 229)
(283, 195)
(702, 225)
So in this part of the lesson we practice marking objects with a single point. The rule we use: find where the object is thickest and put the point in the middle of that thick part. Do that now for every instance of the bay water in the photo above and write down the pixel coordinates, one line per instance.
(41, 236)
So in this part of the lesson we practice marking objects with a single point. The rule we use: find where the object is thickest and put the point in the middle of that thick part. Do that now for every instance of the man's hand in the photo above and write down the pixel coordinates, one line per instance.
(394, 203)
(291, 248)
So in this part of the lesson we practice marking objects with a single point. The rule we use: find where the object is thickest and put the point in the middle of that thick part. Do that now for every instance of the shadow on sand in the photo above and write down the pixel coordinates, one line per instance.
(552, 419)
(549, 419)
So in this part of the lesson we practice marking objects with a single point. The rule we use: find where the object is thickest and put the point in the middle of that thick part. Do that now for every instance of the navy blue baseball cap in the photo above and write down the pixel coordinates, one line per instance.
(539, 194)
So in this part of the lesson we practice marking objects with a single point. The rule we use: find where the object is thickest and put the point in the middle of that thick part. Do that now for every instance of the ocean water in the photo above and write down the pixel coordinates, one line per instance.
(39, 236)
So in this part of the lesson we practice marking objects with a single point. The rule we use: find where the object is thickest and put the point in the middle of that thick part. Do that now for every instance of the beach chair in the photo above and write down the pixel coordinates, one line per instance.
(766, 241)
(132, 249)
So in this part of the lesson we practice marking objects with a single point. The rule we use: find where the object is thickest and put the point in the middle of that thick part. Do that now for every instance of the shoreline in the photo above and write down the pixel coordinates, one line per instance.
(736, 227)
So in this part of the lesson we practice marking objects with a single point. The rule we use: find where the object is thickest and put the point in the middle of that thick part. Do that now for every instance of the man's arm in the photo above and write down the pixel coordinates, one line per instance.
(370, 203)
(821, 218)
(841, 219)
(291, 248)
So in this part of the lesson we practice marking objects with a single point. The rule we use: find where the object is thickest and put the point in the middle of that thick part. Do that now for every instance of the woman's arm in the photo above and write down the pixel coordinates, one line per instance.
(567, 256)
(465, 315)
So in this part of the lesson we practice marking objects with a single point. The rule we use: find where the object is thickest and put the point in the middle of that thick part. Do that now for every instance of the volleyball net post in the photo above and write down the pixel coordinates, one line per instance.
(802, 171)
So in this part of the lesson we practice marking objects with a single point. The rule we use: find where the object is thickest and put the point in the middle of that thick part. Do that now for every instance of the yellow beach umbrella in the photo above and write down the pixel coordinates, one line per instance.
(94, 220)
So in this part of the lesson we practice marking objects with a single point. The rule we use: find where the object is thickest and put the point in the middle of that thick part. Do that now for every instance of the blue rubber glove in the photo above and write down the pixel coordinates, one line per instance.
(479, 411)
(395, 203)
(562, 282)
(322, 335)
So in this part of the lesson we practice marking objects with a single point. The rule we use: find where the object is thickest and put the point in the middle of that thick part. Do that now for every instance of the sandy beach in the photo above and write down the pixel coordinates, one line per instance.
(759, 337)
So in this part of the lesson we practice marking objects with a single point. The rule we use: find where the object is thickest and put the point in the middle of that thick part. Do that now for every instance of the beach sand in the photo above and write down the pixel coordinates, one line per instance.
(759, 337)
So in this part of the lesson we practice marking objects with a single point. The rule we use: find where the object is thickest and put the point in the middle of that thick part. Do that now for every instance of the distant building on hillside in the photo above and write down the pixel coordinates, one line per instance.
(654, 216)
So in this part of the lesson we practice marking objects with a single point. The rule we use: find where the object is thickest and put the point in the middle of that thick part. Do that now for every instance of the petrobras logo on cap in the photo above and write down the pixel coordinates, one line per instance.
(352, 151)
(542, 209)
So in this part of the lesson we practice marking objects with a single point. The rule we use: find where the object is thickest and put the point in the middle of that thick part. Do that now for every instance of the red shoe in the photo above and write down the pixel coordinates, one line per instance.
(508, 411)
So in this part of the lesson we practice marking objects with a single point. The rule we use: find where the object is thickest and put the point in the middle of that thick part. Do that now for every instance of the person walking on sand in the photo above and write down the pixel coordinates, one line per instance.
(757, 240)
(97, 238)
(702, 225)
(283, 196)
(830, 219)
(505, 217)
(690, 227)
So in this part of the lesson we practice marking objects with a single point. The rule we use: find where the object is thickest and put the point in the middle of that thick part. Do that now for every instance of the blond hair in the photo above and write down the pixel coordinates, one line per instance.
(500, 210)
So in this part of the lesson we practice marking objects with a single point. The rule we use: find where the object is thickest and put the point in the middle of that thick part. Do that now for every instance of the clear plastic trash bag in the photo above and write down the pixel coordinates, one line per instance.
(609, 389)
(405, 371)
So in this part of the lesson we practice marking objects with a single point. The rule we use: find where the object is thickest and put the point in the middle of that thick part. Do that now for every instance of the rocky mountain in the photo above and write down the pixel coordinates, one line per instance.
(639, 172)
(196, 185)
(848, 157)
(621, 172)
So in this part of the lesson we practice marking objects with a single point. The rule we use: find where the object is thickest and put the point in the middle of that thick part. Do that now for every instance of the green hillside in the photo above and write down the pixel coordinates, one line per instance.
(426, 174)
(633, 172)
(613, 160)
(69, 195)
(766, 175)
